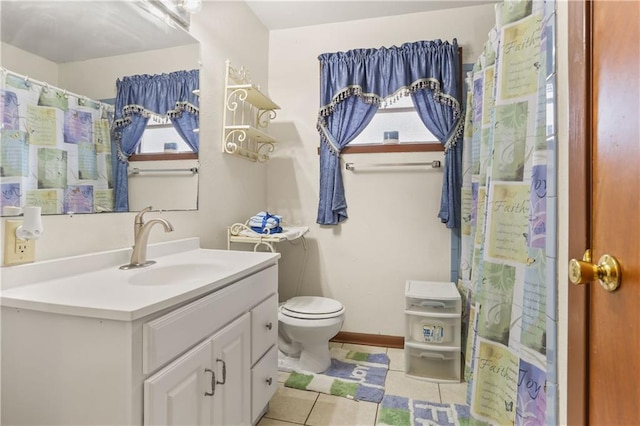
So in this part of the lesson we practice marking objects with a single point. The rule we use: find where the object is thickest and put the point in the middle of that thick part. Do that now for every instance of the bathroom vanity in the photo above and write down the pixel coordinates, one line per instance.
(189, 340)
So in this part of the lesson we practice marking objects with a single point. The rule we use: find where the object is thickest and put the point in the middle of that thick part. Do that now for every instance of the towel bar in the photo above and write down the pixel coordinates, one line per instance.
(434, 164)
(137, 171)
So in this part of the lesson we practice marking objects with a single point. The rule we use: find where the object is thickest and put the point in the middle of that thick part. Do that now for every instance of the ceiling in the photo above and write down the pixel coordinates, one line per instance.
(63, 31)
(281, 14)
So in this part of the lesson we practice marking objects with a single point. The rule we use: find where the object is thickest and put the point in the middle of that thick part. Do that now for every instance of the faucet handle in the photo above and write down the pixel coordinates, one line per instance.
(141, 213)
(138, 222)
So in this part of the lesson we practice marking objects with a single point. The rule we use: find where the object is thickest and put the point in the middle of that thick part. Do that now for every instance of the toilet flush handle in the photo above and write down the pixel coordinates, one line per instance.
(269, 325)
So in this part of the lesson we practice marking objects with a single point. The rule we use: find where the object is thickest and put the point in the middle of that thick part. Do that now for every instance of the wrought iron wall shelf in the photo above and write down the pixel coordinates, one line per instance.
(247, 113)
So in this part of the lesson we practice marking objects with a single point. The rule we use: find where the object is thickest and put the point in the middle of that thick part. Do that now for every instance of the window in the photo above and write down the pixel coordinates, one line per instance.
(401, 117)
(159, 132)
(161, 141)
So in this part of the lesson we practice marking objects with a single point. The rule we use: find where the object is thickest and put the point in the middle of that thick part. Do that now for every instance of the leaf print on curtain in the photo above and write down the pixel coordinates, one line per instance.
(507, 265)
(495, 298)
(510, 133)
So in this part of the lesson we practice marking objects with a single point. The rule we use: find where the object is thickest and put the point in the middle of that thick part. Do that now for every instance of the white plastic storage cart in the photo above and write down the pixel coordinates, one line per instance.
(433, 331)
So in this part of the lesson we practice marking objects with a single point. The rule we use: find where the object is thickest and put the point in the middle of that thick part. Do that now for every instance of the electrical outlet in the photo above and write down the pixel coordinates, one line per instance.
(16, 250)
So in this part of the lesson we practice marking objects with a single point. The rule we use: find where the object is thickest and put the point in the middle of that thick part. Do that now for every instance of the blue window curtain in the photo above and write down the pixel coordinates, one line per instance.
(346, 122)
(363, 79)
(140, 96)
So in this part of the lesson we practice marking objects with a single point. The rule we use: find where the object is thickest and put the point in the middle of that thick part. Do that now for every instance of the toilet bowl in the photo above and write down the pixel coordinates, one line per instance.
(305, 325)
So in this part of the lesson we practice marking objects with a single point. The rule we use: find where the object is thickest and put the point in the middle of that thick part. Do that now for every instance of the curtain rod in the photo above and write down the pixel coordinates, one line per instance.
(435, 164)
(137, 171)
(43, 84)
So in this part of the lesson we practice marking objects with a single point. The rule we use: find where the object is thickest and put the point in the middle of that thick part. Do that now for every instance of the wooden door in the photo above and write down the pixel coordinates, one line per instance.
(604, 211)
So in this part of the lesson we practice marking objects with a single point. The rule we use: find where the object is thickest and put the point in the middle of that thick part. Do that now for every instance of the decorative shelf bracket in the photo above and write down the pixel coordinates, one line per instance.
(247, 113)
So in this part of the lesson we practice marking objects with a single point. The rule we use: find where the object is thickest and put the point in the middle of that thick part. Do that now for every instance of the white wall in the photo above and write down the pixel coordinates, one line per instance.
(27, 64)
(393, 233)
(96, 78)
(231, 189)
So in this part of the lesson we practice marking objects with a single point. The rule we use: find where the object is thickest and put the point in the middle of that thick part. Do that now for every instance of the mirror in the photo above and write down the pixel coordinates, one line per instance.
(82, 48)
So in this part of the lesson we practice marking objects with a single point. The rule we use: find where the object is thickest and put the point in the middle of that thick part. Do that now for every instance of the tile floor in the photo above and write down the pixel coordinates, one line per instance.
(292, 406)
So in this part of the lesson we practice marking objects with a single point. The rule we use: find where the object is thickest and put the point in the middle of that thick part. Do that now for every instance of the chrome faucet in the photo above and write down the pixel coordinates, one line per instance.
(141, 236)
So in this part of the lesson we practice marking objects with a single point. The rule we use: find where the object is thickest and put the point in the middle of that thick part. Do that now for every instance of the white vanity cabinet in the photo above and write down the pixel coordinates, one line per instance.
(209, 359)
(215, 383)
(208, 385)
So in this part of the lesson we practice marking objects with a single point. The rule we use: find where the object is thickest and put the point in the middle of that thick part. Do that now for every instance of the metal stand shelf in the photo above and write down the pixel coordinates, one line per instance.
(242, 233)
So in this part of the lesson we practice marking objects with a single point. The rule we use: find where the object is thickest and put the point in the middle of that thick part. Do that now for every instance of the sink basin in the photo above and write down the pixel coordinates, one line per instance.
(173, 274)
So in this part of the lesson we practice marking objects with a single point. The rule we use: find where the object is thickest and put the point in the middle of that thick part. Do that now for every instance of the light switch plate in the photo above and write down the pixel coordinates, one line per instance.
(17, 251)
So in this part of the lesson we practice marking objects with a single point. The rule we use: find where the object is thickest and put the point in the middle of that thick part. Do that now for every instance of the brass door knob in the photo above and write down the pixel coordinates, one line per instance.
(607, 271)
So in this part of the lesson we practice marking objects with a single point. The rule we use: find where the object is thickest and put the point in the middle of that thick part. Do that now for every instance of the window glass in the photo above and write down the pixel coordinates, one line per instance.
(159, 132)
(399, 117)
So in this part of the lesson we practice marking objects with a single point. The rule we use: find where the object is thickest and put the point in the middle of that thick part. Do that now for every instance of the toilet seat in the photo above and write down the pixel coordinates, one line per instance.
(311, 307)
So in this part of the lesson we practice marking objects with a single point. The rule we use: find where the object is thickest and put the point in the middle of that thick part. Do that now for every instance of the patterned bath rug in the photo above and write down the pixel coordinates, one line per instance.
(355, 375)
(401, 411)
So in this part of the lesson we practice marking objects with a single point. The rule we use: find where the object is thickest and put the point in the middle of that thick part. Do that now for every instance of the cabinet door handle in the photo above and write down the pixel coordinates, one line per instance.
(213, 382)
(269, 325)
(224, 371)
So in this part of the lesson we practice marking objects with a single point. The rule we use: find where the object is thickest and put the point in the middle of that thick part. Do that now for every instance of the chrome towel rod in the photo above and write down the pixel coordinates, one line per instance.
(434, 164)
(137, 171)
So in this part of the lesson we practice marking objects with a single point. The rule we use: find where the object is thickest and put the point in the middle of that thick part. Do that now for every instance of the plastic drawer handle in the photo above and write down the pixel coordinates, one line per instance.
(432, 304)
(433, 355)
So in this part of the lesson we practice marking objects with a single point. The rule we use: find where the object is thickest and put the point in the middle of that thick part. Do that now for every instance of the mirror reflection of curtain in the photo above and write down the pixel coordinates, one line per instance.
(508, 234)
(138, 97)
(352, 86)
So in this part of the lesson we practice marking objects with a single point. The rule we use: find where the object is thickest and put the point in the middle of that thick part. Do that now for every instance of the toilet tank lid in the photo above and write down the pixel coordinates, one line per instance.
(313, 305)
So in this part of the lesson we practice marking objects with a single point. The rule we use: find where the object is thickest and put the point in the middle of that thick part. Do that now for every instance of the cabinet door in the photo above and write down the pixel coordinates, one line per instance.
(177, 394)
(231, 361)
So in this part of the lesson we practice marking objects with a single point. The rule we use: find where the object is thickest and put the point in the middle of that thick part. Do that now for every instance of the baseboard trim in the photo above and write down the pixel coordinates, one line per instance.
(369, 339)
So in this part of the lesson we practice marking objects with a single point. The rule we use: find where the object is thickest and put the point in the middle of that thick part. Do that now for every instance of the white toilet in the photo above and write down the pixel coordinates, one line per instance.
(305, 325)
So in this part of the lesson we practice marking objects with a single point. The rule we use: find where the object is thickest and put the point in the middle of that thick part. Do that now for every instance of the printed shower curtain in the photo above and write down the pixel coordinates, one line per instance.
(508, 242)
(55, 149)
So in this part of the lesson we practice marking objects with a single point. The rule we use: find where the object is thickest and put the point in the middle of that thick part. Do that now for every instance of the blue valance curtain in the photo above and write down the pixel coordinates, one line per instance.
(140, 96)
(356, 82)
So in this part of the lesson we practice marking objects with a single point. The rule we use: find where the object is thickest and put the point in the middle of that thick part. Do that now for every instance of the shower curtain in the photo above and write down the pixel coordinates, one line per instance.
(55, 149)
(508, 241)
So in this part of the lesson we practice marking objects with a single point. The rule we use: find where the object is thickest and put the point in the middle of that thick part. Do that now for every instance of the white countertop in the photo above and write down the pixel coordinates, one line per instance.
(93, 286)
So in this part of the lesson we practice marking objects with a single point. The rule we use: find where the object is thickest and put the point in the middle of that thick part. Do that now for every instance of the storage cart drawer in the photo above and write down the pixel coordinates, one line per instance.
(439, 331)
(433, 306)
(432, 365)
